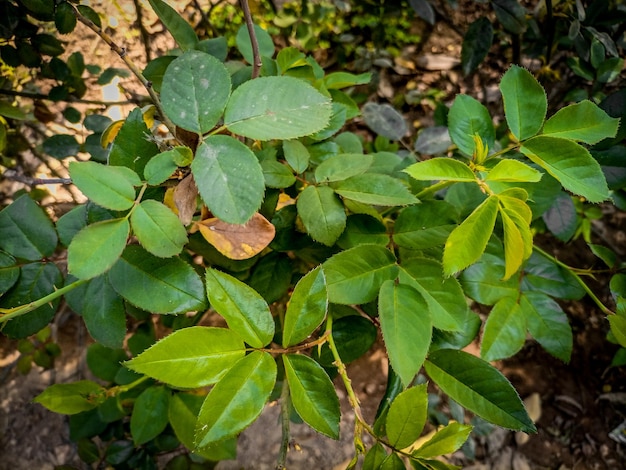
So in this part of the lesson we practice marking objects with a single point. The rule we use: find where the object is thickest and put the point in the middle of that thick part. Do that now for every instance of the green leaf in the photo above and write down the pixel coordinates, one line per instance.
(237, 399)
(476, 44)
(610, 69)
(353, 335)
(467, 242)
(525, 102)
(27, 231)
(354, 276)
(229, 178)
(513, 171)
(61, 146)
(306, 309)
(570, 163)
(338, 80)
(312, 394)
(217, 47)
(296, 155)
(131, 147)
(9, 272)
(424, 225)
(97, 247)
(102, 310)
(517, 241)
(155, 284)
(583, 122)
(384, 120)
(479, 387)
(103, 184)
(36, 281)
(276, 108)
(194, 92)
(618, 328)
(445, 441)
(483, 281)
(342, 166)
(264, 40)
(149, 416)
(511, 14)
(276, 174)
(374, 457)
(444, 296)
(544, 275)
(191, 357)
(467, 118)
(179, 28)
(322, 214)
(407, 416)
(105, 362)
(441, 169)
(155, 70)
(158, 229)
(271, 276)
(183, 414)
(505, 330)
(245, 311)
(163, 165)
(548, 324)
(406, 326)
(375, 189)
(363, 229)
(71, 398)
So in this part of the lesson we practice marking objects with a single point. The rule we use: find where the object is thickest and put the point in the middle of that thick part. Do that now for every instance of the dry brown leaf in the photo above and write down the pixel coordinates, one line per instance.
(238, 241)
(185, 196)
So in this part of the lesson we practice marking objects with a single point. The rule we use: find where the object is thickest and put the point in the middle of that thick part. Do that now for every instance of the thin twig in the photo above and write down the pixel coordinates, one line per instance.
(145, 37)
(285, 409)
(121, 51)
(29, 181)
(205, 19)
(256, 56)
(70, 99)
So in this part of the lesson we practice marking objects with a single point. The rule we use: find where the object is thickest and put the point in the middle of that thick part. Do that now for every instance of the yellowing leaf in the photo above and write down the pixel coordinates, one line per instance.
(184, 198)
(238, 241)
(110, 133)
(148, 115)
(284, 200)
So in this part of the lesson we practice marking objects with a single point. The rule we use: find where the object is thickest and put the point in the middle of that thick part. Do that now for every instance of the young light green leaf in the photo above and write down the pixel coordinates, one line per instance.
(162, 166)
(36, 281)
(342, 166)
(97, 247)
(407, 416)
(468, 241)
(570, 163)
(406, 326)
(445, 441)
(476, 44)
(155, 284)
(525, 102)
(71, 398)
(444, 296)
(27, 231)
(191, 357)
(229, 178)
(466, 119)
(479, 387)
(375, 189)
(312, 394)
(276, 108)
(441, 169)
(584, 122)
(322, 214)
(296, 155)
(103, 184)
(507, 170)
(306, 309)
(516, 248)
(194, 92)
(237, 399)
(178, 27)
(505, 331)
(548, 324)
(354, 276)
(264, 40)
(618, 328)
(149, 416)
(158, 229)
(245, 311)
(338, 80)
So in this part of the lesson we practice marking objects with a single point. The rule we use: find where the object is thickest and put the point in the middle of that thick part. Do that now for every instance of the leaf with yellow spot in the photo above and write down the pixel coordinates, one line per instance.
(110, 133)
(238, 241)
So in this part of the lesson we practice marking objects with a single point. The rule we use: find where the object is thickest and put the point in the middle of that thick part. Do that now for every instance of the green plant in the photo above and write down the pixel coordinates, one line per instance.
(257, 207)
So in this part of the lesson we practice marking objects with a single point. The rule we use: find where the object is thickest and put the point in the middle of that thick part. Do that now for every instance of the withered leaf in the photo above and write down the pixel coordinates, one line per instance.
(185, 196)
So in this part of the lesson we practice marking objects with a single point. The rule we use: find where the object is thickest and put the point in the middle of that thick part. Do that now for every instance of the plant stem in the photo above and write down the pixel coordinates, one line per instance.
(125, 388)
(583, 284)
(434, 188)
(71, 99)
(145, 37)
(27, 180)
(10, 313)
(256, 57)
(121, 51)
(285, 408)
